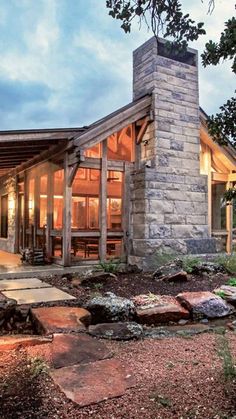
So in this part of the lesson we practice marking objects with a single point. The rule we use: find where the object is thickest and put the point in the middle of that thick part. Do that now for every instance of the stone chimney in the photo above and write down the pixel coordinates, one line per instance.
(169, 195)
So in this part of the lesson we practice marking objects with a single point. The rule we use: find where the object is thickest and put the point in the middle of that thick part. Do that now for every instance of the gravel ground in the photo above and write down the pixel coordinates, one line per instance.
(176, 378)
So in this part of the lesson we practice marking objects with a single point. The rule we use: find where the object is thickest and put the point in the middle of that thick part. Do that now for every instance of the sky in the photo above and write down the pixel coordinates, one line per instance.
(66, 63)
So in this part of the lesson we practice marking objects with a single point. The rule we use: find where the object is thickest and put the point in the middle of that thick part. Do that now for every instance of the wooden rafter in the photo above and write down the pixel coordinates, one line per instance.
(141, 126)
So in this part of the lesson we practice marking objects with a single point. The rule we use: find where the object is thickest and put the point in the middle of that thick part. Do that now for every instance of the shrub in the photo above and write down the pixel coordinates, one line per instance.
(232, 282)
(110, 266)
(229, 367)
(228, 262)
(189, 263)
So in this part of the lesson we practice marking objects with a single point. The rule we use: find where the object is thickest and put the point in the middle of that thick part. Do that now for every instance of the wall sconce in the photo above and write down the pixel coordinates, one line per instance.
(11, 204)
(30, 204)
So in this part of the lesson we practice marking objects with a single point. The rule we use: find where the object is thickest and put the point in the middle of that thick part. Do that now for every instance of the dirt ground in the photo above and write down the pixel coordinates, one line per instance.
(175, 378)
(130, 284)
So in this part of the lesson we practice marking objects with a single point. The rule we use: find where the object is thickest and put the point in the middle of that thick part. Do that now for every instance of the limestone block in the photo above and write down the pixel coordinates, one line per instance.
(159, 231)
(174, 219)
(196, 219)
(161, 207)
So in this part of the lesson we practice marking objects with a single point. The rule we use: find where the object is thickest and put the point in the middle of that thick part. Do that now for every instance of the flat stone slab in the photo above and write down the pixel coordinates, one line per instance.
(204, 304)
(165, 309)
(229, 293)
(22, 341)
(71, 349)
(39, 295)
(91, 383)
(24, 283)
(60, 319)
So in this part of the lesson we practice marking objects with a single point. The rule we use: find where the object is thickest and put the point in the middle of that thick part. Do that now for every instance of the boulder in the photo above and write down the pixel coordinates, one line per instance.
(229, 293)
(208, 267)
(110, 308)
(117, 331)
(171, 272)
(98, 277)
(204, 304)
(7, 308)
(159, 310)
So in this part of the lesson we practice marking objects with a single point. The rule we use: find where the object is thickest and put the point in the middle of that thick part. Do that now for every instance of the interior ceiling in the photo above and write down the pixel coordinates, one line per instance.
(18, 147)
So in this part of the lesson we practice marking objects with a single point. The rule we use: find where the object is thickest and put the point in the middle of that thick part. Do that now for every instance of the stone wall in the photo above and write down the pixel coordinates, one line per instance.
(168, 193)
(8, 186)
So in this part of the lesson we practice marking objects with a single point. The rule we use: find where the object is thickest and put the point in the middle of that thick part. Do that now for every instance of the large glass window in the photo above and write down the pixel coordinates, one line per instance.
(84, 248)
(114, 200)
(43, 201)
(120, 145)
(4, 216)
(94, 151)
(58, 199)
(218, 207)
(85, 200)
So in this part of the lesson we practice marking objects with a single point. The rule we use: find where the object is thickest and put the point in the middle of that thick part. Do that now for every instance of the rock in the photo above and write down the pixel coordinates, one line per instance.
(60, 319)
(110, 308)
(117, 331)
(208, 267)
(7, 307)
(171, 272)
(91, 383)
(229, 293)
(98, 277)
(182, 322)
(21, 341)
(76, 283)
(204, 304)
(164, 310)
(77, 349)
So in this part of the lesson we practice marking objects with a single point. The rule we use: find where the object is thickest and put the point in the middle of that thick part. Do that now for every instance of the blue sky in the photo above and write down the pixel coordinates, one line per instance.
(67, 63)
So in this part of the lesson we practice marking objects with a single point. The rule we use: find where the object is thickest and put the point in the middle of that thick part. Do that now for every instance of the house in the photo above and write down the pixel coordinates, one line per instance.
(145, 178)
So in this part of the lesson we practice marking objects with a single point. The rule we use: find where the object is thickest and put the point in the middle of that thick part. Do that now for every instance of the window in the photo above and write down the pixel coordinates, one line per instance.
(58, 199)
(120, 145)
(31, 201)
(4, 216)
(114, 200)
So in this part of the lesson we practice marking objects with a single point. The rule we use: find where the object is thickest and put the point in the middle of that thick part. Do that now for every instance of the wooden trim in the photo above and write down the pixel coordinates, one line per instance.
(232, 177)
(103, 204)
(126, 208)
(16, 209)
(50, 188)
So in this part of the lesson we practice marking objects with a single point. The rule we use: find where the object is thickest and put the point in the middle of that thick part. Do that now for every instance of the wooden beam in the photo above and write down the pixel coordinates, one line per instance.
(221, 177)
(67, 195)
(220, 151)
(126, 209)
(74, 168)
(103, 204)
(142, 129)
(50, 188)
(113, 123)
(232, 177)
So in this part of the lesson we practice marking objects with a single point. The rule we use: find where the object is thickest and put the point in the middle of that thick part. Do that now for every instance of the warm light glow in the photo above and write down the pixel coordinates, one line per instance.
(31, 204)
(11, 204)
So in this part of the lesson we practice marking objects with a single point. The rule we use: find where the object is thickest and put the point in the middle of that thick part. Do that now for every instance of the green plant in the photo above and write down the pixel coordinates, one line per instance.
(164, 401)
(110, 266)
(37, 367)
(189, 263)
(229, 367)
(220, 293)
(232, 282)
(98, 286)
(158, 259)
(227, 261)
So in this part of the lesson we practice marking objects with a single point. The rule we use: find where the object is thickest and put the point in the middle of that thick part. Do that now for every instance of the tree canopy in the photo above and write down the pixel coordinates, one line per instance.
(166, 18)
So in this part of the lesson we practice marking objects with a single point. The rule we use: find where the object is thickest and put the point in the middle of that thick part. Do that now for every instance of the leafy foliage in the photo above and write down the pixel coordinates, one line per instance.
(163, 16)
(111, 266)
(232, 282)
(228, 262)
(224, 353)
(189, 263)
(166, 17)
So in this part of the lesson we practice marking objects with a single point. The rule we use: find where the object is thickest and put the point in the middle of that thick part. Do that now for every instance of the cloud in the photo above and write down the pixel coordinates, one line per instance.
(69, 63)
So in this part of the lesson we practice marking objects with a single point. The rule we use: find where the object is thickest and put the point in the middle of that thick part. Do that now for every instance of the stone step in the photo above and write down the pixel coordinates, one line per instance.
(94, 382)
(71, 349)
(50, 320)
(10, 342)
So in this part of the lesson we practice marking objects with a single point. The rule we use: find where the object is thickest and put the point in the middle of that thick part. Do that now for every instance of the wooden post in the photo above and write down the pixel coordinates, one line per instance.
(229, 223)
(49, 211)
(103, 204)
(126, 205)
(209, 187)
(16, 210)
(26, 209)
(36, 206)
(67, 198)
